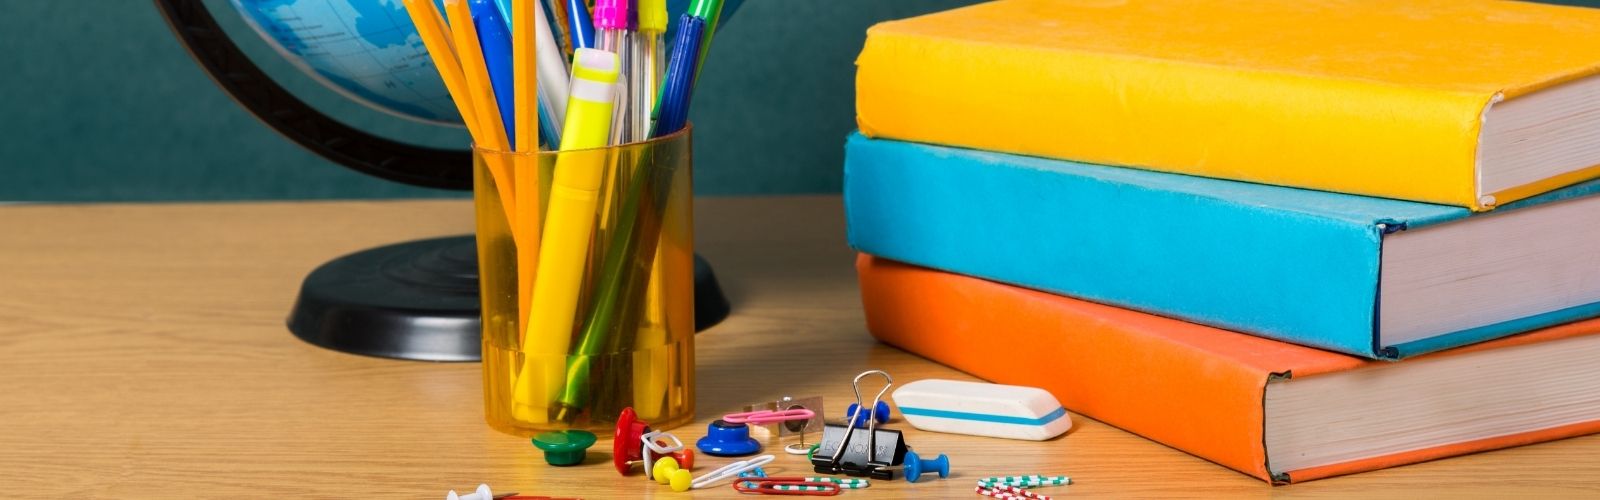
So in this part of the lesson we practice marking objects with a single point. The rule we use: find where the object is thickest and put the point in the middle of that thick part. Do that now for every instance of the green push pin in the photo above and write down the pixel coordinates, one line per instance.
(564, 447)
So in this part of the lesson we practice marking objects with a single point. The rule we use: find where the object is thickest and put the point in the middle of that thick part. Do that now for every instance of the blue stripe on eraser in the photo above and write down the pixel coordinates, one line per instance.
(984, 417)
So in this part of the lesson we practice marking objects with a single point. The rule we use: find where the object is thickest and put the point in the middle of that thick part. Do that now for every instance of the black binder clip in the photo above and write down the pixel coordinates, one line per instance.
(870, 452)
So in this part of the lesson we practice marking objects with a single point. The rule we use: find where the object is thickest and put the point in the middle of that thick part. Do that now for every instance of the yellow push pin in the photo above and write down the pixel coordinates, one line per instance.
(681, 480)
(663, 469)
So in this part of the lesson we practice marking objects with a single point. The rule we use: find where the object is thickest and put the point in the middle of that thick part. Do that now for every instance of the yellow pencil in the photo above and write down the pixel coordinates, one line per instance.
(476, 75)
(524, 71)
(436, 38)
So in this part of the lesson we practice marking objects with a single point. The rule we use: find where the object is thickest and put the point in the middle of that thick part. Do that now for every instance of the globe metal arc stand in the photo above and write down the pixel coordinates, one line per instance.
(416, 300)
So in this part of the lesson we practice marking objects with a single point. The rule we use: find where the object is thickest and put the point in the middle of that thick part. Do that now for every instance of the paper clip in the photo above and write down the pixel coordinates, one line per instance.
(774, 416)
(768, 416)
(730, 471)
(650, 448)
(1003, 491)
(793, 486)
(872, 425)
(783, 428)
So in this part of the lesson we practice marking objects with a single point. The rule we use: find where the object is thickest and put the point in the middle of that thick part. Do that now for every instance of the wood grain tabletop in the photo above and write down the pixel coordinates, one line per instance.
(143, 354)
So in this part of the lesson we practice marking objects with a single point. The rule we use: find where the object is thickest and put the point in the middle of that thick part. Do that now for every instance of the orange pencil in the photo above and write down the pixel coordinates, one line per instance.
(524, 71)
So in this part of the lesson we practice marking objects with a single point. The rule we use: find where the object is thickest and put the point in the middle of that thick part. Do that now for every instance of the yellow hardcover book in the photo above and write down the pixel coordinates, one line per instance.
(1472, 103)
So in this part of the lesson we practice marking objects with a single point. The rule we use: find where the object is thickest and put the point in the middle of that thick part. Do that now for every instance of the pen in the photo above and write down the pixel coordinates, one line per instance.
(652, 29)
(556, 10)
(579, 26)
(612, 20)
(568, 225)
(495, 40)
(681, 70)
(552, 79)
(711, 12)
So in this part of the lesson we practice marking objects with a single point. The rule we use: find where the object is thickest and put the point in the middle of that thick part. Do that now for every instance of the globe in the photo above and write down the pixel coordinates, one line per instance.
(367, 50)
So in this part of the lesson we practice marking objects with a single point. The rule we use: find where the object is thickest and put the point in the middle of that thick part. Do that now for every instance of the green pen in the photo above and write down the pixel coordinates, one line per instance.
(709, 10)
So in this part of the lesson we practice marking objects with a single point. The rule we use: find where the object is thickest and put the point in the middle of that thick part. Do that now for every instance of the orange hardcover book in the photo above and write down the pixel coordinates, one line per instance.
(1277, 411)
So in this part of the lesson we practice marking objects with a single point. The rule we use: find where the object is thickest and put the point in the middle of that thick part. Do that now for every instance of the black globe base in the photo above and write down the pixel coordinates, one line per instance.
(419, 301)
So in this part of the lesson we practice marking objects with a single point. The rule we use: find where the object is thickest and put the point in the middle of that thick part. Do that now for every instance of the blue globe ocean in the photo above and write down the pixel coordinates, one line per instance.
(366, 49)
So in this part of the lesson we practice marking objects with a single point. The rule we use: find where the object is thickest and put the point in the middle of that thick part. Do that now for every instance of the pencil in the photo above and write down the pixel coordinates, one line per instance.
(481, 94)
(436, 38)
(525, 64)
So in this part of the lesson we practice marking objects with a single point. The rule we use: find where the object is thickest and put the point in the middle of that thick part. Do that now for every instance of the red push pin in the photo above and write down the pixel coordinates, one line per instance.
(627, 445)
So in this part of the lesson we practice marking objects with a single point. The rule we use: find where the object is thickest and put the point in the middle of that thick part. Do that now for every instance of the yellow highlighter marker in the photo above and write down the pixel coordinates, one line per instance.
(568, 226)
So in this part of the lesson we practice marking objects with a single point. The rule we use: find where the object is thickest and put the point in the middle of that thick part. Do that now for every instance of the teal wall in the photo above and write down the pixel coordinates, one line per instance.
(98, 110)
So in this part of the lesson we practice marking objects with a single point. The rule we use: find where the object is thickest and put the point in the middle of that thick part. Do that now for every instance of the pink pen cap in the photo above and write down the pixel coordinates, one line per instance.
(612, 15)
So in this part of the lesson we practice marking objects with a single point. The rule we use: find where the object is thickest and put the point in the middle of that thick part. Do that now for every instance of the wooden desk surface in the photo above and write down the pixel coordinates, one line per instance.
(143, 354)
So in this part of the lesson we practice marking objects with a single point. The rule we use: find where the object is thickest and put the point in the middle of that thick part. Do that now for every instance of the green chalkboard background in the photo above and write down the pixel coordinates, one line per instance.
(99, 103)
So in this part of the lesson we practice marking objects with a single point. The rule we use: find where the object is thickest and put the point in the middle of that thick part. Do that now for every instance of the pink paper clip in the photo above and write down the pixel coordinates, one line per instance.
(768, 416)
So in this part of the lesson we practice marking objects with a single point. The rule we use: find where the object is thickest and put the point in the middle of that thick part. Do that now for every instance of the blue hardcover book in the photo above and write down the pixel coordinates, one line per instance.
(1367, 276)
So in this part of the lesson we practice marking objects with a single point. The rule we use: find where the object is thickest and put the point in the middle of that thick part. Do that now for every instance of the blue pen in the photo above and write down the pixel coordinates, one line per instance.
(582, 26)
(504, 6)
(549, 127)
(679, 86)
(495, 39)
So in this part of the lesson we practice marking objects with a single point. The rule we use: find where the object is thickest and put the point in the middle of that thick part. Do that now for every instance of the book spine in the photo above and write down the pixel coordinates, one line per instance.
(1213, 259)
(1286, 129)
(1099, 361)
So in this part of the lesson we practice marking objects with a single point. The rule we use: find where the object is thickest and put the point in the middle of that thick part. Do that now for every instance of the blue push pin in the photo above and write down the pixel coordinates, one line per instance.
(879, 413)
(728, 440)
(915, 466)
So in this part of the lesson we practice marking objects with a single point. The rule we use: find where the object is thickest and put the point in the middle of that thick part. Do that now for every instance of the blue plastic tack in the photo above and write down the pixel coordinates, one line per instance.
(880, 413)
(916, 465)
(757, 472)
(727, 440)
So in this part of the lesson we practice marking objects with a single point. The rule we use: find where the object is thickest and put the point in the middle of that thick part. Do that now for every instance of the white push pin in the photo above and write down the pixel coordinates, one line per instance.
(482, 494)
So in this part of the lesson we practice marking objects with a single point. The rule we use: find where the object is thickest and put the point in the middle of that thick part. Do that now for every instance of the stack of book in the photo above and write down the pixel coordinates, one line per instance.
(1298, 239)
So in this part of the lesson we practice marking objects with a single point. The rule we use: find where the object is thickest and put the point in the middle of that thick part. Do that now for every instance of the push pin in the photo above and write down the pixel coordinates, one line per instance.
(880, 412)
(627, 444)
(482, 494)
(563, 448)
(667, 472)
(916, 465)
(725, 439)
(660, 445)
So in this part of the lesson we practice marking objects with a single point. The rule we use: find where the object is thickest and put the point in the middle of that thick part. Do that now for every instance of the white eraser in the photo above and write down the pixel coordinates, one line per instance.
(982, 409)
